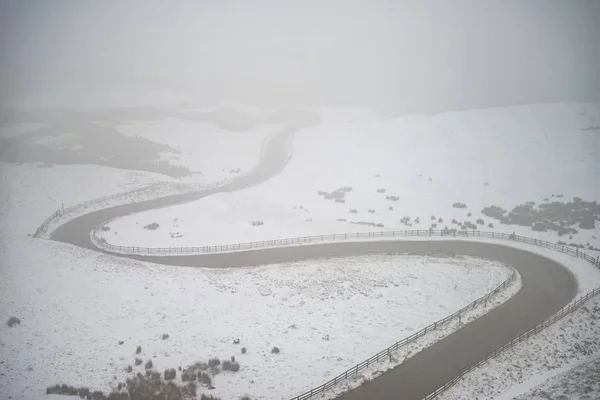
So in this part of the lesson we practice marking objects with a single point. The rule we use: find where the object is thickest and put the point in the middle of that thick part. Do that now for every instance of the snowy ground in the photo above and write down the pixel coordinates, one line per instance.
(428, 161)
(562, 360)
(75, 306)
(204, 147)
(579, 383)
(45, 283)
(32, 193)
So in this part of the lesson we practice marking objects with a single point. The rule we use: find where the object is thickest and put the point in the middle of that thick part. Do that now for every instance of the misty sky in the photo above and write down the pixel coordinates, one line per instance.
(455, 53)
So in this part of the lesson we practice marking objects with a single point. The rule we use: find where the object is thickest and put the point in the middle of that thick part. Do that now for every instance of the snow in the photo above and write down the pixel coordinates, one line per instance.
(111, 299)
(578, 383)
(553, 360)
(32, 193)
(75, 305)
(524, 153)
(405, 352)
(204, 147)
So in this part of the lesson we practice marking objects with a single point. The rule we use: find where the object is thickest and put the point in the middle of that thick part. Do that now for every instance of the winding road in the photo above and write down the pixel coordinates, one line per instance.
(547, 286)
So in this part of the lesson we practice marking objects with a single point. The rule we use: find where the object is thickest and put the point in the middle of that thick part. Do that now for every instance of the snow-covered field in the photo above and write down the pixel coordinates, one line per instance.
(579, 383)
(562, 360)
(504, 157)
(76, 305)
(216, 152)
(31, 193)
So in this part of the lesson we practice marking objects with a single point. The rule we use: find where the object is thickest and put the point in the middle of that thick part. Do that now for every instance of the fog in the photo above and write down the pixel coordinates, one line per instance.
(411, 54)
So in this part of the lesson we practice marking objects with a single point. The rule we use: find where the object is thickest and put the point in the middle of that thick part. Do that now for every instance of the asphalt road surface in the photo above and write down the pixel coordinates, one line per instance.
(547, 285)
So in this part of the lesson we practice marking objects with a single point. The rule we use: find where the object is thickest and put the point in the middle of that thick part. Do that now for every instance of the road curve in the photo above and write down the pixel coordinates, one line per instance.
(546, 285)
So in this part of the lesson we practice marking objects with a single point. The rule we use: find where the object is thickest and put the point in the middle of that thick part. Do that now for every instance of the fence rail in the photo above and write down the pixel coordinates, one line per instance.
(43, 228)
(385, 354)
(522, 337)
(149, 188)
(573, 251)
(339, 237)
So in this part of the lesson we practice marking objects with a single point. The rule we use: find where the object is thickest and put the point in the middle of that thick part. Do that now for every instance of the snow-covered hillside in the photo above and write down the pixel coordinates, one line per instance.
(504, 157)
(559, 361)
(216, 152)
(33, 192)
(76, 305)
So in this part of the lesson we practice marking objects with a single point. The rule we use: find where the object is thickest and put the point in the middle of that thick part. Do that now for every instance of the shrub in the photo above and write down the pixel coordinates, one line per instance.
(480, 222)
(138, 361)
(417, 220)
(170, 374)
(208, 397)
(459, 205)
(341, 201)
(490, 225)
(257, 223)
(188, 376)
(204, 378)
(189, 390)
(275, 350)
(12, 321)
(440, 220)
(390, 208)
(493, 212)
(243, 350)
(129, 369)
(244, 398)
(381, 190)
(392, 198)
(232, 358)
(235, 366)
(148, 364)
(226, 365)
(236, 341)
(152, 227)
(469, 214)
(214, 362)
(105, 228)
(353, 211)
(164, 336)
(138, 350)
(433, 217)
(371, 211)
(454, 221)
(433, 226)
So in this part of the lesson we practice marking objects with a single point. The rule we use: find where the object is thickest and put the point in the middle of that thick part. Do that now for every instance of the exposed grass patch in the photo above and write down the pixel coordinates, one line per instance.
(13, 321)
(214, 362)
(152, 227)
(170, 374)
(275, 350)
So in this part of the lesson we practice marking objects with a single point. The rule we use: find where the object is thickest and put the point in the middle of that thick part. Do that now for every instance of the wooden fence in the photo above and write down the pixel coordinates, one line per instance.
(563, 248)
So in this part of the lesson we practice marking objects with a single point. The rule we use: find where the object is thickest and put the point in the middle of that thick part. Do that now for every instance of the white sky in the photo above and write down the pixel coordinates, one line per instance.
(333, 52)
